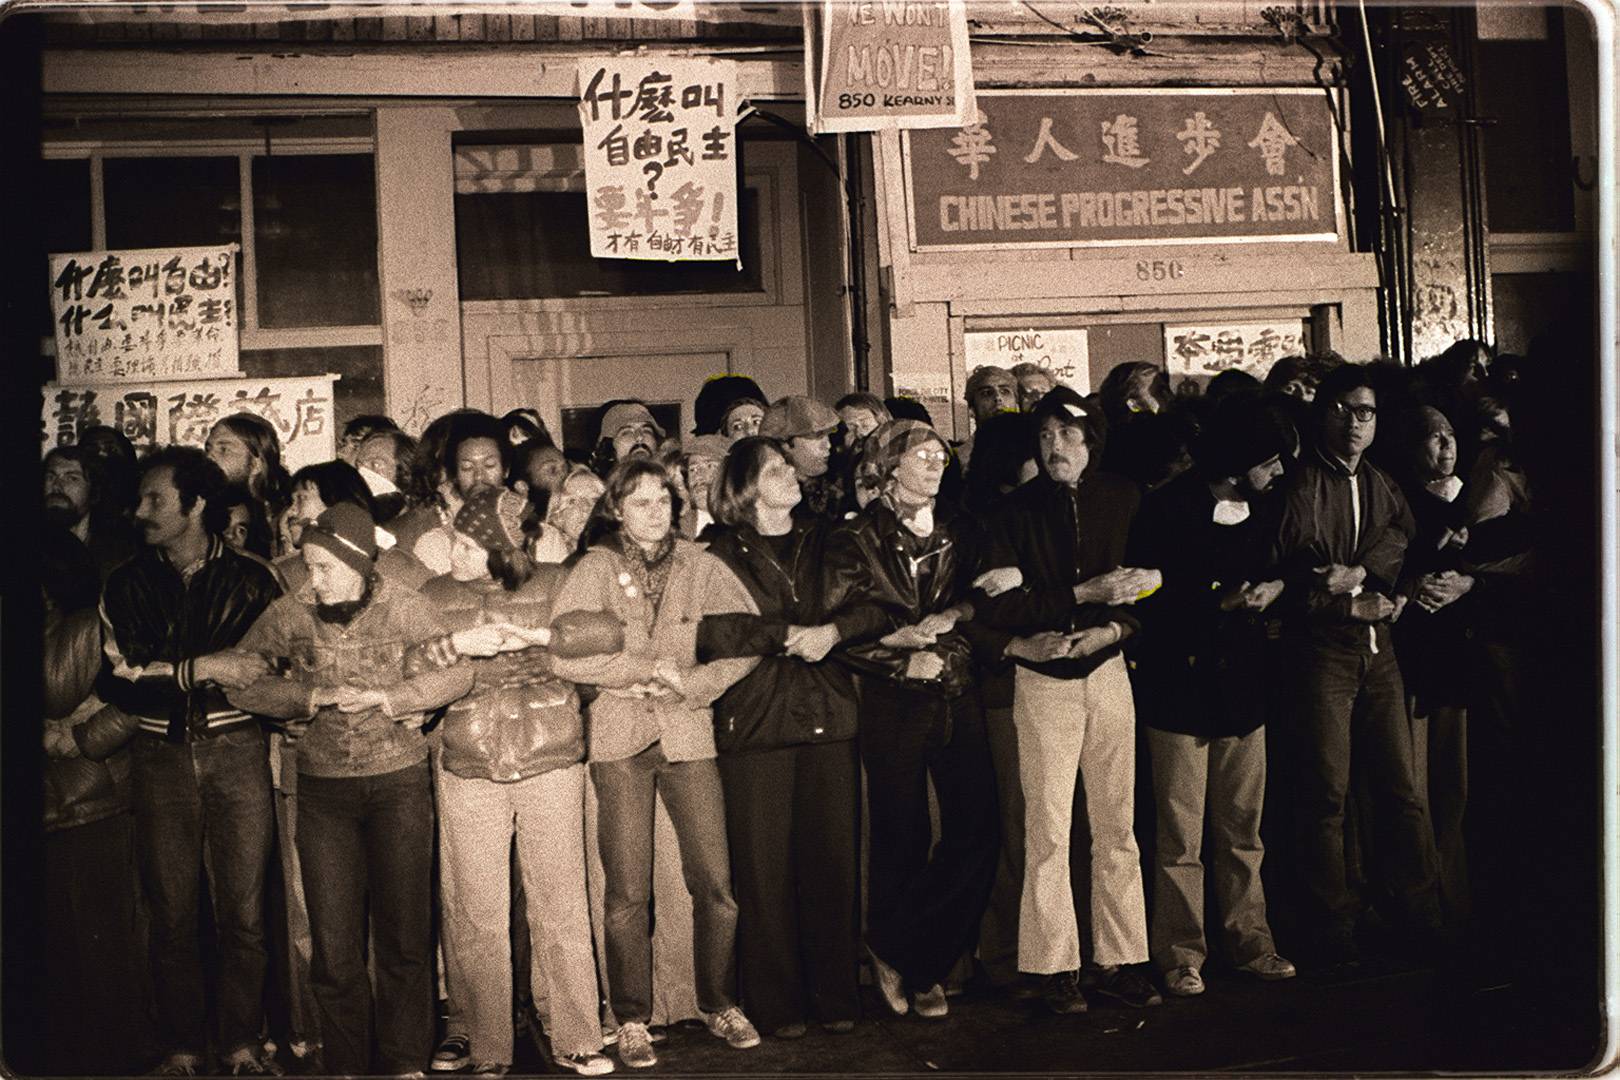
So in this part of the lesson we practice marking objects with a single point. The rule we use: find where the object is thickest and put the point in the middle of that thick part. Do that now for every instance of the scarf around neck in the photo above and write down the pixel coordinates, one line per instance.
(650, 571)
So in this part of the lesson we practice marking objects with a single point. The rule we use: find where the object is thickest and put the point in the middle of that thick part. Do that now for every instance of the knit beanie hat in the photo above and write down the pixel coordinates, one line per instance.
(346, 529)
(1241, 434)
(717, 397)
(493, 517)
(892, 441)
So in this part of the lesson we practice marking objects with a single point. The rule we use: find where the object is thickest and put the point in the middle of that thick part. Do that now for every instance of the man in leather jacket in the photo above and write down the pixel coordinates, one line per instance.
(172, 616)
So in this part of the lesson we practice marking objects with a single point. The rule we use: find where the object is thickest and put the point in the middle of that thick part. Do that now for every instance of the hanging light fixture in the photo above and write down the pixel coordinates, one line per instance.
(268, 222)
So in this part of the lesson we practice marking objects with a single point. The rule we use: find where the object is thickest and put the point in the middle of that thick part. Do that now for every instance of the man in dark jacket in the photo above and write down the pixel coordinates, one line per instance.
(1199, 679)
(172, 616)
(1340, 544)
(1065, 531)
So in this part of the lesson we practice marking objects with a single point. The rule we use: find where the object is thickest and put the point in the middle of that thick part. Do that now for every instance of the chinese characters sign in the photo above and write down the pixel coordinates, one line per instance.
(660, 158)
(145, 316)
(1080, 168)
(1209, 349)
(1064, 353)
(890, 63)
(160, 414)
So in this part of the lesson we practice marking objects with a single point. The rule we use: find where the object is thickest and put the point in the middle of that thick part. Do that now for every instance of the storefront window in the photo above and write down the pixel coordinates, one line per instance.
(535, 245)
(65, 188)
(315, 240)
(172, 201)
(358, 392)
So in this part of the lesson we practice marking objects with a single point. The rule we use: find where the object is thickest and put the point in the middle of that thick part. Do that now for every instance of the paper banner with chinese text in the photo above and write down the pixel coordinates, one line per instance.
(145, 316)
(162, 414)
(1064, 353)
(661, 158)
(1093, 168)
(879, 64)
(1207, 349)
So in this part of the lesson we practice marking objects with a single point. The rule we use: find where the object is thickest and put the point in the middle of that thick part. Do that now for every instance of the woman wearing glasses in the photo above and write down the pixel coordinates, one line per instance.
(920, 716)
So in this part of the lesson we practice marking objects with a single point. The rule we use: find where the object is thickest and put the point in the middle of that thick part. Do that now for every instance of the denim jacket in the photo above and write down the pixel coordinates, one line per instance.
(381, 648)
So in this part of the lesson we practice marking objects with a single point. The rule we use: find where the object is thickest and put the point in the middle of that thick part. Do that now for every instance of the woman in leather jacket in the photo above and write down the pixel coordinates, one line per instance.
(514, 752)
(786, 740)
(920, 718)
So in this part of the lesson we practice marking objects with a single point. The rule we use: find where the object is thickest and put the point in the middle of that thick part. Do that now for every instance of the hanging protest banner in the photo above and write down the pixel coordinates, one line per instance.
(876, 64)
(1207, 349)
(1086, 168)
(660, 158)
(149, 315)
(181, 413)
(1064, 353)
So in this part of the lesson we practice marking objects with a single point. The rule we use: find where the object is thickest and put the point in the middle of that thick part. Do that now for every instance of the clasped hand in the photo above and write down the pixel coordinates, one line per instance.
(1122, 585)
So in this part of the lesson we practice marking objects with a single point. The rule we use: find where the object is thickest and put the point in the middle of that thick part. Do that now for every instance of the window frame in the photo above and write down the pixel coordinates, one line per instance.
(253, 336)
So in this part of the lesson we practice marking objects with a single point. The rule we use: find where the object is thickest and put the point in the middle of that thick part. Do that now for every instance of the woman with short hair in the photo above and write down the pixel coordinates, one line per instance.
(786, 740)
(652, 734)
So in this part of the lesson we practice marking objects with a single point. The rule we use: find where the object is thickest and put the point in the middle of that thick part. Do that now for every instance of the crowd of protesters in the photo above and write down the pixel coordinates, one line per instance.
(447, 719)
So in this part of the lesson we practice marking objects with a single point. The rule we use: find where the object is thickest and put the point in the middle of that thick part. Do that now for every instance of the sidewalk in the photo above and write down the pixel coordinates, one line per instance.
(1374, 1016)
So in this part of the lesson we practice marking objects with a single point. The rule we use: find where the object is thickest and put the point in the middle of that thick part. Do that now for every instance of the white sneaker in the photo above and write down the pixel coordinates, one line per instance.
(590, 1063)
(890, 986)
(731, 1025)
(1184, 982)
(635, 1046)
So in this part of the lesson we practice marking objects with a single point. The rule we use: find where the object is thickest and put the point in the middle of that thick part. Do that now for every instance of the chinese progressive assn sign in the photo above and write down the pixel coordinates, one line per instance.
(152, 315)
(660, 158)
(1115, 167)
(160, 414)
(891, 63)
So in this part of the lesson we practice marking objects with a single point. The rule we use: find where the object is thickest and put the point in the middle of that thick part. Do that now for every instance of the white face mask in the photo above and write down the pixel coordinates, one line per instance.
(1447, 488)
(1230, 512)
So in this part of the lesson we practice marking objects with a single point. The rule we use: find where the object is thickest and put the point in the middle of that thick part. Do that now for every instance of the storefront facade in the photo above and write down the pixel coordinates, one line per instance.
(408, 195)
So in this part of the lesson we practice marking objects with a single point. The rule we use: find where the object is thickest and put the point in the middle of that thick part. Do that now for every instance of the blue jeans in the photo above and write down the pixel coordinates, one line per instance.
(205, 803)
(1352, 702)
(365, 845)
(625, 790)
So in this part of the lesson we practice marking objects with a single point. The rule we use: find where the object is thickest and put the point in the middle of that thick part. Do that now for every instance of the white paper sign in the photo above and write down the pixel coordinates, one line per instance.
(1208, 349)
(877, 64)
(661, 158)
(145, 316)
(161, 414)
(1065, 353)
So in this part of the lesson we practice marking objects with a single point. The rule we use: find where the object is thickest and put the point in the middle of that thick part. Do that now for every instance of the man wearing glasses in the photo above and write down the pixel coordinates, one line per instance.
(1340, 544)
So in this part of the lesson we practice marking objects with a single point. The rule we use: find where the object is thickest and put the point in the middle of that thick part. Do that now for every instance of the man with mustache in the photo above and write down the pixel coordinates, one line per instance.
(172, 617)
(1340, 546)
(76, 498)
(628, 431)
(1065, 533)
(1200, 675)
